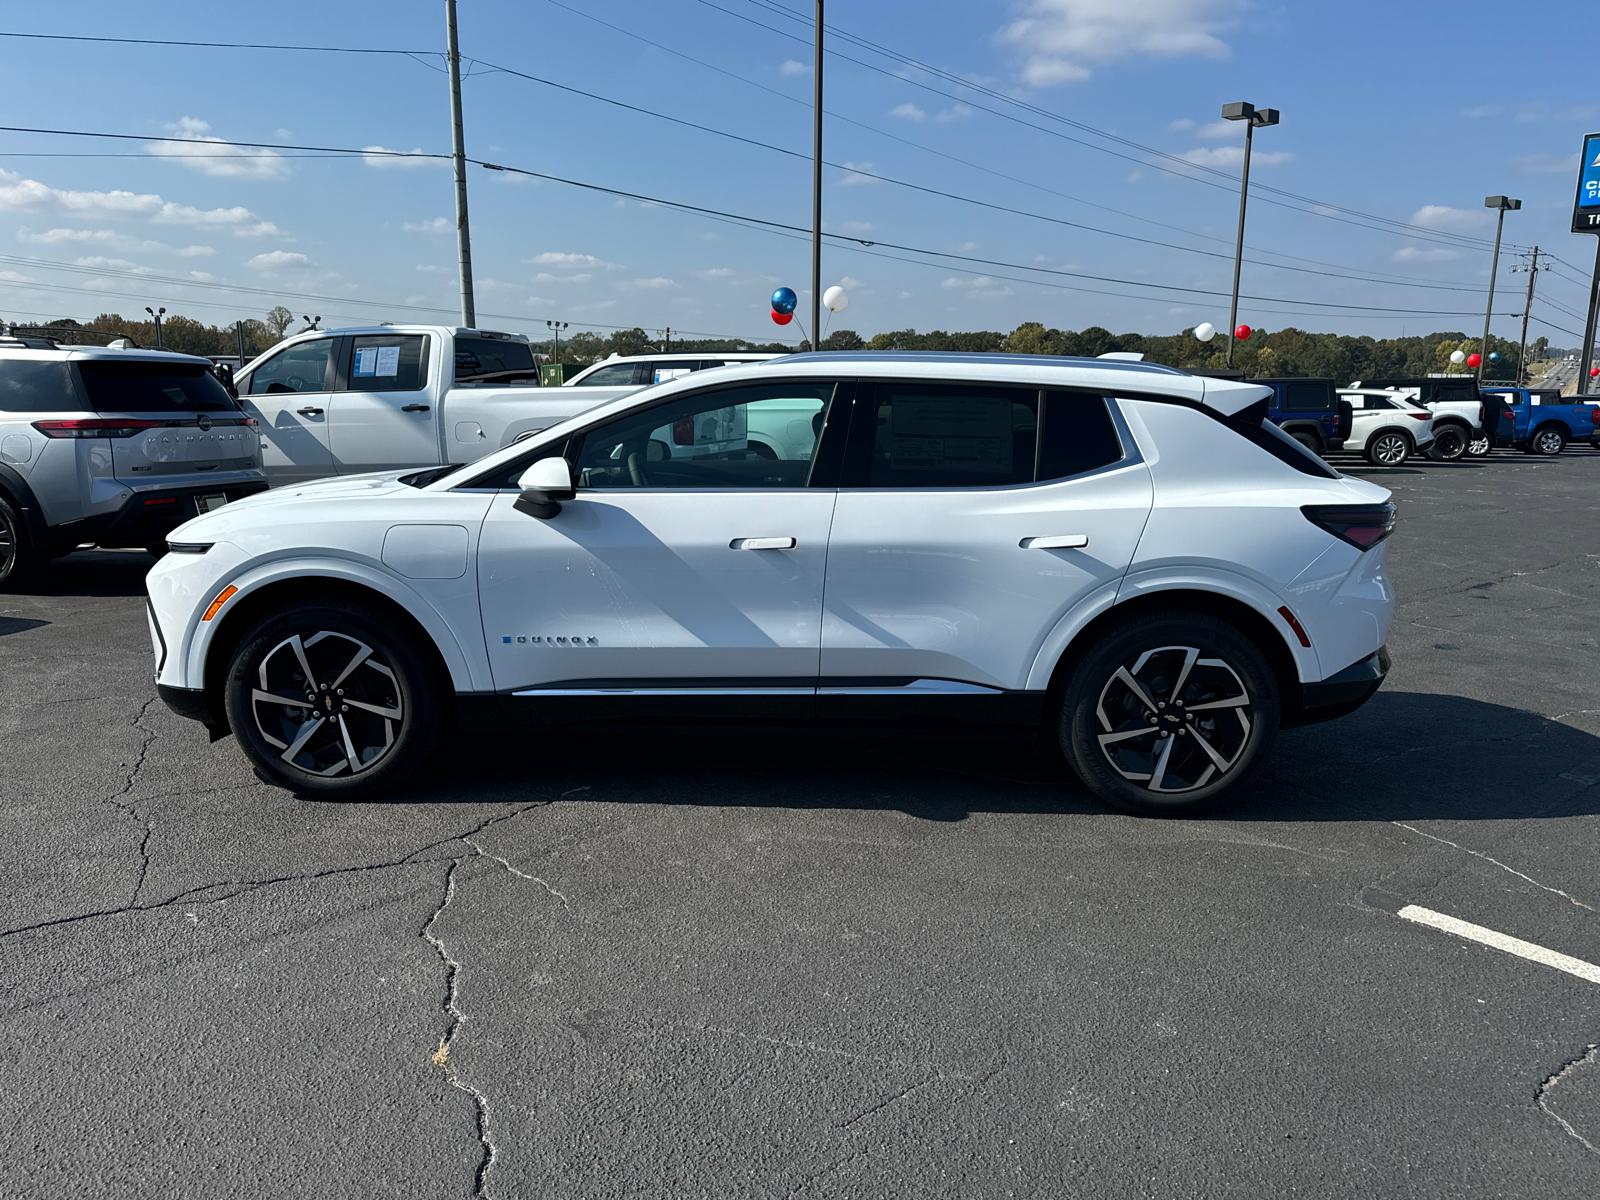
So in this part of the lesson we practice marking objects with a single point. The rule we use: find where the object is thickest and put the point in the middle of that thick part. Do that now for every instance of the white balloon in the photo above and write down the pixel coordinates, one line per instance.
(1458, 357)
(834, 299)
(1205, 331)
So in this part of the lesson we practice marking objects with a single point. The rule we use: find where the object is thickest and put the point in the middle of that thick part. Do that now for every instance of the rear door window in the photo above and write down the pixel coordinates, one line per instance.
(388, 363)
(307, 367)
(932, 435)
(144, 386)
(616, 375)
(37, 385)
(489, 356)
(1076, 436)
(1306, 397)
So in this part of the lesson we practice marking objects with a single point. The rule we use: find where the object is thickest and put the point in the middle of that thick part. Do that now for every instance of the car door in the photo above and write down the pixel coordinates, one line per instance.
(687, 568)
(966, 529)
(383, 416)
(1371, 412)
(288, 393)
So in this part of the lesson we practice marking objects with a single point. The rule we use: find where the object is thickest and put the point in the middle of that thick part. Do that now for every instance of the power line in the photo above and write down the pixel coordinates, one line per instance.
(75, 37)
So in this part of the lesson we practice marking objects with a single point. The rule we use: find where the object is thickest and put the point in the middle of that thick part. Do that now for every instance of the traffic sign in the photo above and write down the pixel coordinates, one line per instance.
(1586, 208)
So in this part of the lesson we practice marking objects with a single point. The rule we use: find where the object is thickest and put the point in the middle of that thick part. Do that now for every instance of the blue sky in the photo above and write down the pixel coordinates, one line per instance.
(1402, 112)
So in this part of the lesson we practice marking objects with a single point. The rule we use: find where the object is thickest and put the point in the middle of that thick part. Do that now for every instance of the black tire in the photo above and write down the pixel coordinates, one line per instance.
(1449, 443)
(1548, 442)
(21, 564)
(1387, 448)
(1153, 649)
(1309, 442)
(397, 718)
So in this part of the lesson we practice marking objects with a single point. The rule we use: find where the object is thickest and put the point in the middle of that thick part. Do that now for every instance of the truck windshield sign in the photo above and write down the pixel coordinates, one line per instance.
(1586, 211)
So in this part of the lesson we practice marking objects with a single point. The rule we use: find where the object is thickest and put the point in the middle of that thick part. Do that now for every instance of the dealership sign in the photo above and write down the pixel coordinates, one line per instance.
(1586, 211)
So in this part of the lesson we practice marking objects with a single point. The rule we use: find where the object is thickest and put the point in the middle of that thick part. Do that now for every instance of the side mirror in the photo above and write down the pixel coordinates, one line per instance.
(544, 485)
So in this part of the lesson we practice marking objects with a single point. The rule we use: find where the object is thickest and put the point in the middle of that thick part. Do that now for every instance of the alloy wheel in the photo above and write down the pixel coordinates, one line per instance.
(1478, 447)
(1172, 720)
(1390, 450)
(1549, 442)
(328, 703)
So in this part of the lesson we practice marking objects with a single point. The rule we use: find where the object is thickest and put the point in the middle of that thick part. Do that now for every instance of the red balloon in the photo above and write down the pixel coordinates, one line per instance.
(1593, 371)
(1242, 333)
(1473, 360)
(779, 318)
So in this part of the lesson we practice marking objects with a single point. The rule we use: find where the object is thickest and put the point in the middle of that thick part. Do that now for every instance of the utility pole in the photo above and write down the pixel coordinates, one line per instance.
(1522, 354)
(1505, 204)
(238, 328)
(469, 315)
(816, 186)
(1252, 117)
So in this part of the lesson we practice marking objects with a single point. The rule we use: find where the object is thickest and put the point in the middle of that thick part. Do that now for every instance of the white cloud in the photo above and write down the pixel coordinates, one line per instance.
(111, 239)
(415, 299)
(855, 227)
(14, 277)
(435, 225)
(851, 178)
(1221, 131)
(909, 112)
(579, 277)
(203, 276)
(1233, 156)
(430, 268)
(110, 264)
(791, 68)
(557, 258)
(274, 259)
(1135, 176)
(655, 283)
(1546, 164)
(1424, 254)
(1181, 124)
(956, 112)
(850, 281)
(29, 195)
(193, 148)
(489, 284)
(979, 288)
(1442, 216)
(1061, 38)
(382, 156)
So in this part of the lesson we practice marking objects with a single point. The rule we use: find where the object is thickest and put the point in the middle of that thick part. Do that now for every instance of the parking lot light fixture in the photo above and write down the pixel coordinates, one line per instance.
(1252, 117)
(1503, 204)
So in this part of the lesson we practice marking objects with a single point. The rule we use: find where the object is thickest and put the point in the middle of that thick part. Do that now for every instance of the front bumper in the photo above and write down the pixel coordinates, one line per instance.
(196, 705)
(1342, 693)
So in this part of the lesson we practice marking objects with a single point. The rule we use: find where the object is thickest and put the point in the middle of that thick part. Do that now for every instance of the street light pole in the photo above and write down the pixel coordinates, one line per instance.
(156, 317)
(816, 185)
(1586, 356)
(1504, 204)
(469, 316)
(1252, 117)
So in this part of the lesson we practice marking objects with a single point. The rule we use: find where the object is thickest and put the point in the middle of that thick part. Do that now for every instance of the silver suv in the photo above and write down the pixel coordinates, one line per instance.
(112, 448)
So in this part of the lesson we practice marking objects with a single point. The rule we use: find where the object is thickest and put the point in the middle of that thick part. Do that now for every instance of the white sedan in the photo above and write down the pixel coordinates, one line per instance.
(1129, 556)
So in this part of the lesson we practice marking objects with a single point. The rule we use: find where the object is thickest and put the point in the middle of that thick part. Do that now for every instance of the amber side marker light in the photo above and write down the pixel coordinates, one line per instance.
(223, 597)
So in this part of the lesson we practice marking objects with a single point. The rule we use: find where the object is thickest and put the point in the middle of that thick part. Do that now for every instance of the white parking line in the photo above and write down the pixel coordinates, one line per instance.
(1500, 941)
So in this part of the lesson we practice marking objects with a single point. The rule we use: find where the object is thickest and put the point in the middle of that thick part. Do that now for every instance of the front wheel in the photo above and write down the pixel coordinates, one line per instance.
(1548, 442)
(1388, 449)
(334, 701)
(1479, 445)
(1449, 443)
(20, 563)
(1169, 713)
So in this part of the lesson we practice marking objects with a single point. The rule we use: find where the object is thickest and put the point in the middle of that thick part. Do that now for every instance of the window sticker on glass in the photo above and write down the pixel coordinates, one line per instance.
(367, 361)
(714, 432)
(388, 361)
(963, 434)
(662, 374)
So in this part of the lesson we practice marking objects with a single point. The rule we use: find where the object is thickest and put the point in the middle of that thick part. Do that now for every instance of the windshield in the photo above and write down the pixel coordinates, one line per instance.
(143, 386)
(487, 356)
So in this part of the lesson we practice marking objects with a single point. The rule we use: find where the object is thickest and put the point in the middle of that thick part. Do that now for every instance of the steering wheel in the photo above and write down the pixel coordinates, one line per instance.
(298, 383)
(636, 470)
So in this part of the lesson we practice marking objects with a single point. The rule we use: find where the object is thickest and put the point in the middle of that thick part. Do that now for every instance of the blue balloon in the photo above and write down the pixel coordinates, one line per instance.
(784, 300)
(1494, 356)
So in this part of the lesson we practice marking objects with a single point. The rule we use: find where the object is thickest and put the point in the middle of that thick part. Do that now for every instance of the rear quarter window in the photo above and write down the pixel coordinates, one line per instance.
(143, 386)
(1306, 397)
(31, 385)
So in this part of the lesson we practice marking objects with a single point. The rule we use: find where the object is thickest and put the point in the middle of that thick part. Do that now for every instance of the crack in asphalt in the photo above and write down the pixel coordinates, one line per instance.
(1585, 1059)
(1496, 862)
(482, 853)
(115, 799)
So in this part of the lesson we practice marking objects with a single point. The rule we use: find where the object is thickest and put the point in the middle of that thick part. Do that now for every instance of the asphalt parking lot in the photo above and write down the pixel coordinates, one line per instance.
(704, 964)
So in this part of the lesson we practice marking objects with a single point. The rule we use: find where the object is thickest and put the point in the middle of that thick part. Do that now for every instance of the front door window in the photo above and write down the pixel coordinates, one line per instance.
(289, 394)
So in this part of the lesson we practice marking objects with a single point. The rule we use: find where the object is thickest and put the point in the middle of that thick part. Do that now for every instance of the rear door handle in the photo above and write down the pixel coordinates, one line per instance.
(1061, 541)
(762, 544)
(413, 408)
(309, 412)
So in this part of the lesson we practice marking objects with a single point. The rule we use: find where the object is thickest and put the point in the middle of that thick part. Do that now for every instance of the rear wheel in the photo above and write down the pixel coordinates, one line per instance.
(1449, 443)
(20, 563)
(1169, 714)
(1388, 449)
(334, 701)
(1309, 442)
(1548, 442)
(1479, 445)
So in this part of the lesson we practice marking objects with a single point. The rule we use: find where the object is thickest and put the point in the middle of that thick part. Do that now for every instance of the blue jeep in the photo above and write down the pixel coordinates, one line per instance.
(1310, 411)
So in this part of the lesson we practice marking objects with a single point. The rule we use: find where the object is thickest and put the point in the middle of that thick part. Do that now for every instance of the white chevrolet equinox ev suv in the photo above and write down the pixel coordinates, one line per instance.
(1128, 556)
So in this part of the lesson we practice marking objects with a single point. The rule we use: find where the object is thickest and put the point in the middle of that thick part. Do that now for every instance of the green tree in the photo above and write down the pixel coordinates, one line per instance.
(843, 339)
(278, 322)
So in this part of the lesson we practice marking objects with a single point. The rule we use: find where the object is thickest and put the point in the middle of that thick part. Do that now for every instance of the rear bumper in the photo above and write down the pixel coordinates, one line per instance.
(148, 516)
(1341, 693)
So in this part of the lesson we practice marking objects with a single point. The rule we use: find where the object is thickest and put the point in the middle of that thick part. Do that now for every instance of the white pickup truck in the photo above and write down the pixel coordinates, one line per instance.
(388, 397)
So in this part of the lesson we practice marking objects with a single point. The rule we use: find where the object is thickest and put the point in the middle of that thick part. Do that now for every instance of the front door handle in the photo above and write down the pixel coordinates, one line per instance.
(309, 411)
(1061, 541)
(762, 544)
(413, 408)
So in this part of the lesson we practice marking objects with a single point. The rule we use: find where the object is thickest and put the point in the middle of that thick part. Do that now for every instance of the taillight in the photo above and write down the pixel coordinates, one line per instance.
(1361, 525)
(1594, 415)
(1420, 416)
(1508, 415)
(121, 427)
